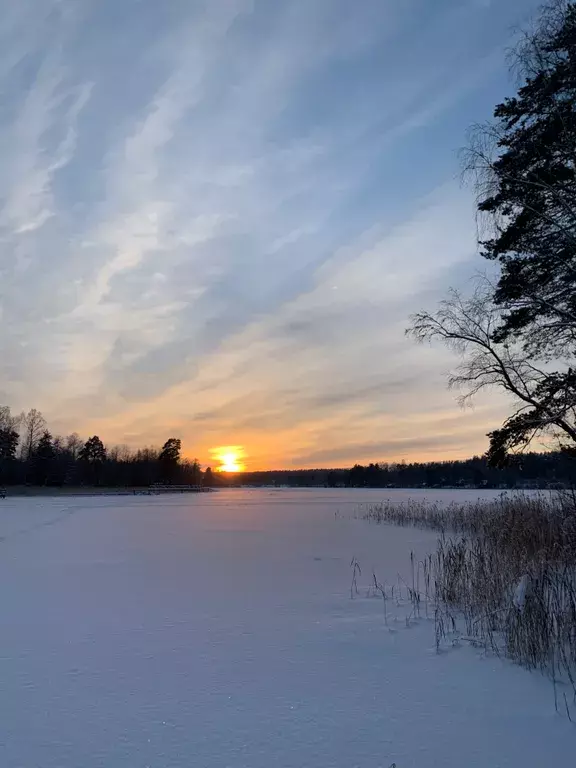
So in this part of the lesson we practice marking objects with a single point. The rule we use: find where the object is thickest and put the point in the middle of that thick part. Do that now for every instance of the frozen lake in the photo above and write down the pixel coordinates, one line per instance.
(217, 630)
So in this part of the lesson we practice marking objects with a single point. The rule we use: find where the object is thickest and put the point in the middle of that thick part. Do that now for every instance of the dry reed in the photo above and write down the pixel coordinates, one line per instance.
(504, 576)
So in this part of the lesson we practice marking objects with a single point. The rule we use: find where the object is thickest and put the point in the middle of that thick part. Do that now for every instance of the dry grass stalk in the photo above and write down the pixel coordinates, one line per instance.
(505, 572)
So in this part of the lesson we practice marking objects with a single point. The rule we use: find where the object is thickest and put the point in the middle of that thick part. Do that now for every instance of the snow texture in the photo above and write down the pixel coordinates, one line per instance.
(218, 631)
(521, 592)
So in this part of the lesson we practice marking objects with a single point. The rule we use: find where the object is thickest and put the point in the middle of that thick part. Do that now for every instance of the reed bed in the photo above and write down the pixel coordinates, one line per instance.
(503, 577)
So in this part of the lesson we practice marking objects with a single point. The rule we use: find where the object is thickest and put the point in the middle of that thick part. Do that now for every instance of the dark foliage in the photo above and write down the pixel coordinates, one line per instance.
(93, 451)
(531, 470)
(519, 335)
(529, 189)
(92, 458)
(44, 460)
(169, 459)
(171, 451)
(34, 457)
(8, 443)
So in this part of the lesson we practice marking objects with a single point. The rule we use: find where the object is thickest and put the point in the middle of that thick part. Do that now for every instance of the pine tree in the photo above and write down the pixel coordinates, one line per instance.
(525, 162)
(93, 456)
(195, 472)
(169, 460)
(43, 459)
(8, 443)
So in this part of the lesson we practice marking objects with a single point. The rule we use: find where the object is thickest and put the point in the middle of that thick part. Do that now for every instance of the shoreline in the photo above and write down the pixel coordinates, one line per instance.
(21, 491)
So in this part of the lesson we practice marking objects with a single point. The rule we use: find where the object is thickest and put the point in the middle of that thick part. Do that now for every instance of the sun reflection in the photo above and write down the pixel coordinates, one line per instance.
(229, 458)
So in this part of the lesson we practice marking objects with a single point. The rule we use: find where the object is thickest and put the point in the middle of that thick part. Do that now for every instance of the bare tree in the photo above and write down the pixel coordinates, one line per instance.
(73, 444)
(112, 452)
(7, 421)
(34, 426)
(124, 452)
(545, 399)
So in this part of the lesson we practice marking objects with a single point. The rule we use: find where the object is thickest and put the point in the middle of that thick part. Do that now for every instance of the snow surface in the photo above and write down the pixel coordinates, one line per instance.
(217, 630)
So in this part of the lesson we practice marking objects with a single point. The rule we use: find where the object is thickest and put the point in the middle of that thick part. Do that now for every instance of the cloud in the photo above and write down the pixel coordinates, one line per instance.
(42, 137)
(375, 451)
(216, 217)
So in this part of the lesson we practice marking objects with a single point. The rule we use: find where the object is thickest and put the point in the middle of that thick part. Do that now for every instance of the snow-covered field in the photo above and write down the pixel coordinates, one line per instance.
(218, 630)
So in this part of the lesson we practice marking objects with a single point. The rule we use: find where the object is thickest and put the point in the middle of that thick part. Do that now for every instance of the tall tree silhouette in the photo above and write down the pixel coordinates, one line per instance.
(169, 460)
(93, 456)
(520, 334)
(524, 163)
(44, 460)
(208, 481)
(8, 444)
(34, 425)
(73, 445)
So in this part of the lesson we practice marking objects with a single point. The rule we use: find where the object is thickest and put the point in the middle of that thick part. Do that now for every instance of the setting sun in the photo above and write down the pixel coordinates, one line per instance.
(229, 458)
(229, 463)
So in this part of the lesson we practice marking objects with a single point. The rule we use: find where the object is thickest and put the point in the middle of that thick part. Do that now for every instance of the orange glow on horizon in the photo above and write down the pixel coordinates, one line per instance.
(229, 458)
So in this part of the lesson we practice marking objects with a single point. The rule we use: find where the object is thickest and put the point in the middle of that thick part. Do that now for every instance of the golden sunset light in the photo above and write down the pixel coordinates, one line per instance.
(229, 458)
(288, 383)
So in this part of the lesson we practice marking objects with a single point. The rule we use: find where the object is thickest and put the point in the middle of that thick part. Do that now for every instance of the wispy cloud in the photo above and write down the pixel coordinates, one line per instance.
(42, 137)
(216, 217)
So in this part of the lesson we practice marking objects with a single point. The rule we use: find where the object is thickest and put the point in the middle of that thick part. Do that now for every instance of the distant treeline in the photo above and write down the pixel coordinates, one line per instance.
(31, 455)
(531, 470)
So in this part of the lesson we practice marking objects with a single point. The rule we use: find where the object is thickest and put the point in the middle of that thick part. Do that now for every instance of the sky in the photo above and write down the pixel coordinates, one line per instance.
(216, 217)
